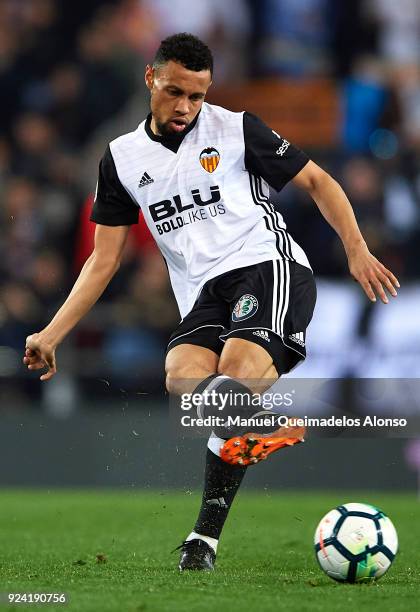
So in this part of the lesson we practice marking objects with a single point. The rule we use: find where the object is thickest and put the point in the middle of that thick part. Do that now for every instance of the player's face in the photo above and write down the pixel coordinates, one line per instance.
(177, 95)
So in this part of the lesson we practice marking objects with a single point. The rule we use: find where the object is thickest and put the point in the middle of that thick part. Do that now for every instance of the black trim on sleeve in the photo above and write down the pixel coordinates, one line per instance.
(269, 155)
(113, 205)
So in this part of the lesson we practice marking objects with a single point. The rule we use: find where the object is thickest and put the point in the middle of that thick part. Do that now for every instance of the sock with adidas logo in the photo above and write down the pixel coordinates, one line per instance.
(221, 483)
(221, 480)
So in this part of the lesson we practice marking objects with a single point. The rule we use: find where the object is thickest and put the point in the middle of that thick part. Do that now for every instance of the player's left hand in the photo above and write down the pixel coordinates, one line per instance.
(372, 275)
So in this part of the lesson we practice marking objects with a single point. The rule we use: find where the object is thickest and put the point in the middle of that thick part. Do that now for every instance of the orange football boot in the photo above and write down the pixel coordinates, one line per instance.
(252, 448)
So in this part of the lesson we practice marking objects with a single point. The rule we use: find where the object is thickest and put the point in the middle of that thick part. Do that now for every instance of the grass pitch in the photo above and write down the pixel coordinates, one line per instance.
(111, 551)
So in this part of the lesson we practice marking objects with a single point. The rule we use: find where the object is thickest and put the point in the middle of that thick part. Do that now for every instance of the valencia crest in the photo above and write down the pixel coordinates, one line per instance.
(209, 159)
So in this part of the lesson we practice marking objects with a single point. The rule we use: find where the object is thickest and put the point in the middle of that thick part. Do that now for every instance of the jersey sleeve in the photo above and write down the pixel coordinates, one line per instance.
(112, 205)
(269, 155)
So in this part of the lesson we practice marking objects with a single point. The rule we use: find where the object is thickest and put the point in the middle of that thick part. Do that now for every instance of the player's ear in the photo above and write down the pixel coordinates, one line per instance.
(149, 76)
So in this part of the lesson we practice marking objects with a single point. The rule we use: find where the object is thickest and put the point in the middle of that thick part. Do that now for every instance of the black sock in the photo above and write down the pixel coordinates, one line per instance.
(221, 483)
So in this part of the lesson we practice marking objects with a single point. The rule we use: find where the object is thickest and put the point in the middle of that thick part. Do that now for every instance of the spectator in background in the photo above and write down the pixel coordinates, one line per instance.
(19, 311)
(293, 38)
(61, 97)
(363, 185)
(151, 296)
(23, 222)
(399, 30)
(365, 100)
(35, 142)
(353, 34)
(48, 279)
(5, 161)
(109, 70)
(224, 26)
(146, 313)
(399, 48)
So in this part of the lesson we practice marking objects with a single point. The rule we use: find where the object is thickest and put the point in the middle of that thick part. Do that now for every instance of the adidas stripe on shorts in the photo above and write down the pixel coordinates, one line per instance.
(270, 304)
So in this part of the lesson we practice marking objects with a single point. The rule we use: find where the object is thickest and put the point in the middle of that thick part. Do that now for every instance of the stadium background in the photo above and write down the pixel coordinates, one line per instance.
(341, 80)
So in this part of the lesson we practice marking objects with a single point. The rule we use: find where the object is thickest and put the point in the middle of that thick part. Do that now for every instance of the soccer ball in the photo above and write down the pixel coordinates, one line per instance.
(355, 543)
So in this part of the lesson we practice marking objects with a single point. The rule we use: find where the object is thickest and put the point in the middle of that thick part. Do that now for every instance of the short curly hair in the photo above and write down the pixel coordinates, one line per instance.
(186, 49)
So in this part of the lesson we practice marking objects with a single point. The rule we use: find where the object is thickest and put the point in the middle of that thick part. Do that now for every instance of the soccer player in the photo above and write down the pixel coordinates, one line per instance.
(245, 290)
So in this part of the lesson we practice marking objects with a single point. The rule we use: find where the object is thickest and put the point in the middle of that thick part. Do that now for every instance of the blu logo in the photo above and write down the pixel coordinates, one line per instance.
(167, 208)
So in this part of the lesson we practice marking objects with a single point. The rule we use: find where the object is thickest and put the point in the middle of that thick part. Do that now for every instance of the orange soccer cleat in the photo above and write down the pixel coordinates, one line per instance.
(252, 448)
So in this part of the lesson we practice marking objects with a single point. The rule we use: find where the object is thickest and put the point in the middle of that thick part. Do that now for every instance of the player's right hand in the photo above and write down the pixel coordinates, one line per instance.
(39, 354)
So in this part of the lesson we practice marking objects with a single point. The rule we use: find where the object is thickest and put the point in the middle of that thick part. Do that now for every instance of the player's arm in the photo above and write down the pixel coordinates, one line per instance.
(114, 211)
(271, 156)
(94, 277)
(336, 209)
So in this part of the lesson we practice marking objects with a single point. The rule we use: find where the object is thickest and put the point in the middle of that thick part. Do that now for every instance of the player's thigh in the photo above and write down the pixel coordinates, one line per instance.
(249, 362)
(188, 364)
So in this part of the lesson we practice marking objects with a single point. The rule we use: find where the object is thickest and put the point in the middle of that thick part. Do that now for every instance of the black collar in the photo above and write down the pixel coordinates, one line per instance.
(170, 142)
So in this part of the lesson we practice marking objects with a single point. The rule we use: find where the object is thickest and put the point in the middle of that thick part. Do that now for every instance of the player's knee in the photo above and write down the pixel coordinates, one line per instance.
(175, 381)
(185, 378)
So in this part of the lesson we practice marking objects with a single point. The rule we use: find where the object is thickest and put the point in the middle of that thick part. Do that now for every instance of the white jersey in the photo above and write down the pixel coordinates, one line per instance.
(204, 195)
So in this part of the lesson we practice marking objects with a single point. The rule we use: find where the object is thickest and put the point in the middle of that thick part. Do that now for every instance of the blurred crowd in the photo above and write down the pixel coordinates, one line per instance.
(71, 78)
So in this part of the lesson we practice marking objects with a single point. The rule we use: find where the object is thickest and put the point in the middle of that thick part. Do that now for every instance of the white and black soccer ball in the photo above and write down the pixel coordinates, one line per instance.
(355, 543)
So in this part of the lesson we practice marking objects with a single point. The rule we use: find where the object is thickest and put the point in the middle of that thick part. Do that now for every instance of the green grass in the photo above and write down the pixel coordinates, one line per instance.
(49, 542)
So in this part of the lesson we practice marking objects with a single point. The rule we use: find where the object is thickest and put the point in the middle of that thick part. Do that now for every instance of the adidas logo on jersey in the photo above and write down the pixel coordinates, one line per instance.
(146, 179)
(262, 334)
(298, 337)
